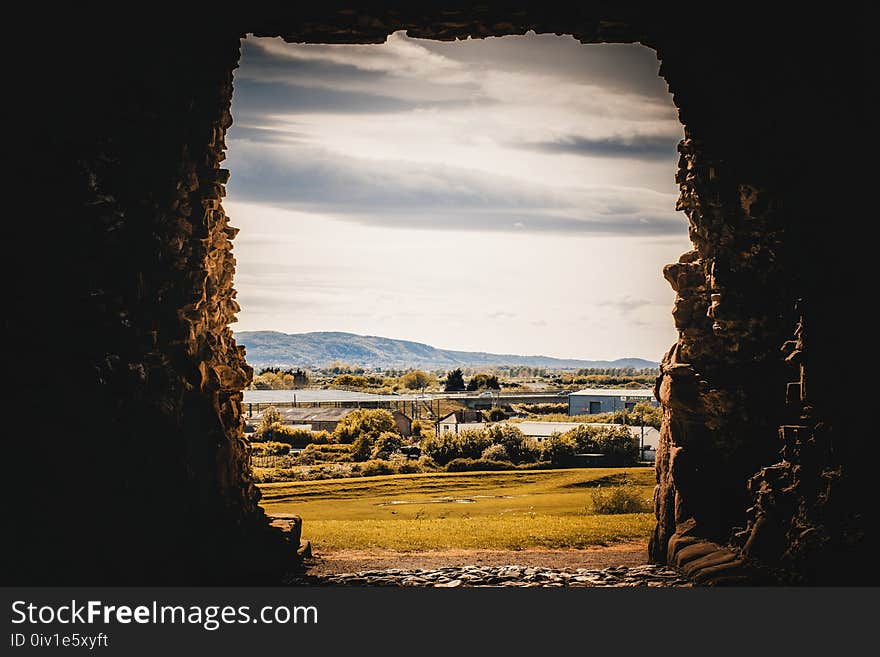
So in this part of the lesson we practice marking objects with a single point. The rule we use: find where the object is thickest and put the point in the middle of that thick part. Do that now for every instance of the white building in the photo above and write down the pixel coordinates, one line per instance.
(607, 400)
(460, 420)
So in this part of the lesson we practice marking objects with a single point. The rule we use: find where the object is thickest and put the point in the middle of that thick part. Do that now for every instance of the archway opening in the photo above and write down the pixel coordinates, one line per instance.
(496, 210)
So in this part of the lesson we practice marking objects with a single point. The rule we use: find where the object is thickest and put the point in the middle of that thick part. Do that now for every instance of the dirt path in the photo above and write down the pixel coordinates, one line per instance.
(347, 561)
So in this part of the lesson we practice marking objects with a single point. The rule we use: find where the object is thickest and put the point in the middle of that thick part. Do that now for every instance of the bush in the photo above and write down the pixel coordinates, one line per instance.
(495, 453)
(518, 447)
(362, 448)
(545, 409)
(271, 416)
(471, 465)
(496, 414)
(559, 449)
(325, 453)
(441, 449)
(618, 499)
(375, 467)
(369, 422)
(386, 444)
(468, 444)
(471, 443)
(584, 439)
(321, 438)
(269, 448)
(416, 429)
(617, 443)
(427, 464)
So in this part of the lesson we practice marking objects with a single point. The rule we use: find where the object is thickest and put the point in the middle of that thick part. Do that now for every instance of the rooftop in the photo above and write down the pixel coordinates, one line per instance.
(614, 392)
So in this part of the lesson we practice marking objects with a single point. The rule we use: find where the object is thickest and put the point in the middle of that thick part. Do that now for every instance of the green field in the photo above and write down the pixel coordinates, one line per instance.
(499, 510)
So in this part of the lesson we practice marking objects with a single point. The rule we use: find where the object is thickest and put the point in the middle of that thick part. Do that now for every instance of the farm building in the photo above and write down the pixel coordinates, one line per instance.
(459, 420)
(403, 422)
(320, 418)
(649, 437)
(326, 418)
(607, 400)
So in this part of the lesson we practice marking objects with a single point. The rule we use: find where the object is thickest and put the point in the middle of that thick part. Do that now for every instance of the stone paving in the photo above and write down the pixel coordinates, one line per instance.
(502, 576)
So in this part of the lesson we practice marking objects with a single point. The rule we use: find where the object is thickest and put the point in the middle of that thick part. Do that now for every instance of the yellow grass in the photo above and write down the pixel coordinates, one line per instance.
(499, 510)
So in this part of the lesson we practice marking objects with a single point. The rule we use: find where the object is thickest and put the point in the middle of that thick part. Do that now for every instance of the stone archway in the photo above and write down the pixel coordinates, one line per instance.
(139, 263)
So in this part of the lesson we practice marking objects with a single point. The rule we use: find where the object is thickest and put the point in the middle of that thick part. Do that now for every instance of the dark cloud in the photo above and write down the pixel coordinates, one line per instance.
(263, 134)
(263, 65)
(255, 99)
(640, 147)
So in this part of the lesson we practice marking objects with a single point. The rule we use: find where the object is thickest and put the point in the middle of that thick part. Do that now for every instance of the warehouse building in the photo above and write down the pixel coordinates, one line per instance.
(607, 400)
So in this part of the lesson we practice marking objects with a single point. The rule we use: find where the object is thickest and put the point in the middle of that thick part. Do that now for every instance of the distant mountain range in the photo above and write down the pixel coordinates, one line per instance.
(269, 348)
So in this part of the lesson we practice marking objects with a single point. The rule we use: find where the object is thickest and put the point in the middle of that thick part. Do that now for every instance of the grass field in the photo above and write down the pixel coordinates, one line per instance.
(499, 510)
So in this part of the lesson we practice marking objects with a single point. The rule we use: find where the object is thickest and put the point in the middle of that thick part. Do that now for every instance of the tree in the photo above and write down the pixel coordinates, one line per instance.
(417, 380)
(454, 381)
(370, 422)
(647, 414)
(519, 448)
(559, 449)
(617, 442)
(362, 447)
(386, 444)
(271, 416)
(300, 379)
(483, 380)
(584, 438)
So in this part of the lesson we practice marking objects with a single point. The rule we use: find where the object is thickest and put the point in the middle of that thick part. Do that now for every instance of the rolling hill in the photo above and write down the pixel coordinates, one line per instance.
(269, 348)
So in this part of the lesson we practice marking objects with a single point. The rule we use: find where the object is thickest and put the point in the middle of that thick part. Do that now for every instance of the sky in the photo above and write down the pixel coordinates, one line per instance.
(511, 194)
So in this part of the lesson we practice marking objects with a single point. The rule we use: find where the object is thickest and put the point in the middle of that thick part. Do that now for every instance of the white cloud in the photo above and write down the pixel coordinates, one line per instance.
(439, 195)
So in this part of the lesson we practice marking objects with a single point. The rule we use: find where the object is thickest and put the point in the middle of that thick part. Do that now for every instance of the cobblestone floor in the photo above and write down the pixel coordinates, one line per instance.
(496, 576)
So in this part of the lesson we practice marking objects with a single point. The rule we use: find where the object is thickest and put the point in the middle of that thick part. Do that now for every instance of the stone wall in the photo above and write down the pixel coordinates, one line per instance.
(129, 385)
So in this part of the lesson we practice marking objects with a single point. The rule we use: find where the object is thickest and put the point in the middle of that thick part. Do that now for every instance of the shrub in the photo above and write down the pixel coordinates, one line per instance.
(321, 438)
(325, 453)
(386, 444)
(271, 416)
(471, 465)
(495, 453)
(584, 438)
(545, 409)
(518, 447)
(362, 447)
(496, 414)
(617, 443)
(441, 449)
(416, 429)
(559, 449)
(294, 437)
(427, 464)
(269, 448)
(408, 467)
(618, 499)
(375, 467)
(370, 422)
(471, 443)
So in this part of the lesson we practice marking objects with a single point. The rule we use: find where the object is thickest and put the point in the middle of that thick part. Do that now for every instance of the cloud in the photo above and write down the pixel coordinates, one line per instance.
(432, 196)
(256, 100)
(640, 147)
(399, 55)
(625, 305)
(626, 68)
